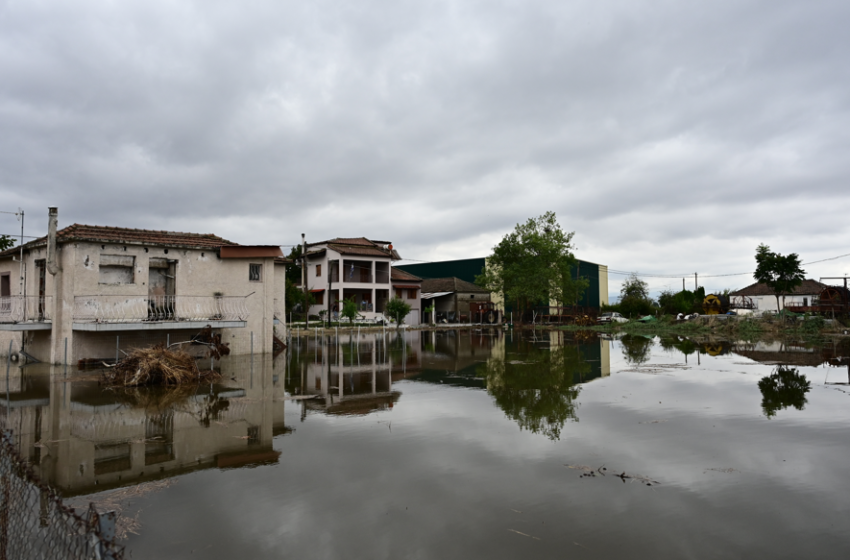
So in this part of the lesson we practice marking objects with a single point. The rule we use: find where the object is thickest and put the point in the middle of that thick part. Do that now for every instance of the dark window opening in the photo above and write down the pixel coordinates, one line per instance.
(255, 272)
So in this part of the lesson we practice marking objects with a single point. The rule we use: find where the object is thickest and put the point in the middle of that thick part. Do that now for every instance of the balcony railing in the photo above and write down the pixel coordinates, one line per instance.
(26, 309)
(140, 309)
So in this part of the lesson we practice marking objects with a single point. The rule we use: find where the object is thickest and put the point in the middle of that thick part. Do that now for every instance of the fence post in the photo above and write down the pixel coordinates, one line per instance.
(117, 346)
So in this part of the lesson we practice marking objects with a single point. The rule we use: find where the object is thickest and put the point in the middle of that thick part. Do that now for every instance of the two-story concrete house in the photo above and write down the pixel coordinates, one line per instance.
(360, 269)
(86, 291)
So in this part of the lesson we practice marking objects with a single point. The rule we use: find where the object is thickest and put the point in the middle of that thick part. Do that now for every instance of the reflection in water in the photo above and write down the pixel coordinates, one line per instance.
(454, 477)
(683, 344)
(785, 387)
(636, 348)
(82, 438)
(536, 387)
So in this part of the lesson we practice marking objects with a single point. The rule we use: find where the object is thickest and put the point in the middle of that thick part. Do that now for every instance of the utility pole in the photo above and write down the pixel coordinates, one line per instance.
(330, 289)
(683, 284)
(696, 284)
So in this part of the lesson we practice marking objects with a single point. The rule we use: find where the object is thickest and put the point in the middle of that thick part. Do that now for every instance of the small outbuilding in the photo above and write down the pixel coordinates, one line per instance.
(458, 301)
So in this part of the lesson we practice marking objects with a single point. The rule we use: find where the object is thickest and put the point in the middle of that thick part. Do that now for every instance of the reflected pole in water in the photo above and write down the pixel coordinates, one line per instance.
(8, 368)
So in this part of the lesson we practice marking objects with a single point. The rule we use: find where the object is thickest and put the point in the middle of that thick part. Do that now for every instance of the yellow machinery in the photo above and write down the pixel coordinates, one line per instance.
(714, 304)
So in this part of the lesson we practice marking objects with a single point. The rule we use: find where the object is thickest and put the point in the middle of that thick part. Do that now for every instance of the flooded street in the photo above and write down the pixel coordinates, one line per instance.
(460, 444)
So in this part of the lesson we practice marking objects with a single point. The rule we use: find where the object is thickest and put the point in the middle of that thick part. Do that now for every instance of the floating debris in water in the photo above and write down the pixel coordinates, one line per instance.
(156, 366)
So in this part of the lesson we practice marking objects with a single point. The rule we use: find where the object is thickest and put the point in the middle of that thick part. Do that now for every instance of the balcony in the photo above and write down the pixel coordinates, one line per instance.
(23, 313)
(104, 313)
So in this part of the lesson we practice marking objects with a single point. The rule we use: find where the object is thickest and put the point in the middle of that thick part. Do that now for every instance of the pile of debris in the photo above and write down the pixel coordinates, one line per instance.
(156, 366)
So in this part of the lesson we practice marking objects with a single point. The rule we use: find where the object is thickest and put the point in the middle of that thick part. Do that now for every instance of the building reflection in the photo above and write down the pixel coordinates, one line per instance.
(82, 439)
(352, 374)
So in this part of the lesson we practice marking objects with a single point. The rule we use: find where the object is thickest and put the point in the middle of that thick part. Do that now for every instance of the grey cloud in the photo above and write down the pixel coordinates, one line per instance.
(437, 124)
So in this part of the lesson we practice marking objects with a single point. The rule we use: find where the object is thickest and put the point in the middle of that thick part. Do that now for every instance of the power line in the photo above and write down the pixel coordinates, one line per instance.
(648, 275)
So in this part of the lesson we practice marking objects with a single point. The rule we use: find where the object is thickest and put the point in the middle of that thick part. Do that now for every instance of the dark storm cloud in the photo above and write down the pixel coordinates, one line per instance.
(654, 130)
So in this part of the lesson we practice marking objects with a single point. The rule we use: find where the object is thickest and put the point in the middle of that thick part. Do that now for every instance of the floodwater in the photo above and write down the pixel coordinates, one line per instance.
(462, 444)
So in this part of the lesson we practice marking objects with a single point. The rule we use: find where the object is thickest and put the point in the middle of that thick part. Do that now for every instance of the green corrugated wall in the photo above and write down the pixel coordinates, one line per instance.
(468, 269)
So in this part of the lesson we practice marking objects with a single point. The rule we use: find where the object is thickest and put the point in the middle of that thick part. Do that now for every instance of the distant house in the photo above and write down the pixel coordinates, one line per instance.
(456, 300)
(763, 299)
(101, 287)
(359, 269)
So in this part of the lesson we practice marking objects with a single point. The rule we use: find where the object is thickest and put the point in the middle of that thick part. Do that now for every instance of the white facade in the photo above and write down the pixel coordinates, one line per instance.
(358, 269)
(127, 283)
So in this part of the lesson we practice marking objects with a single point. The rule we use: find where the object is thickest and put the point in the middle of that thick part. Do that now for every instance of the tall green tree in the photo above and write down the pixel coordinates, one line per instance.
(634, 297)
(6, 242)
(782, 274)
(533, 264)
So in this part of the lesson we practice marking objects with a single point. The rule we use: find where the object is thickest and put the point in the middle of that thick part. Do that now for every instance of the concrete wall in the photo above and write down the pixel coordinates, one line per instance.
(197, 273)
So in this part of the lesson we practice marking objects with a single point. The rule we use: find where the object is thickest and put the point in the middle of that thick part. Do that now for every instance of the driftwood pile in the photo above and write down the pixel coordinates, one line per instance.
(156, 366)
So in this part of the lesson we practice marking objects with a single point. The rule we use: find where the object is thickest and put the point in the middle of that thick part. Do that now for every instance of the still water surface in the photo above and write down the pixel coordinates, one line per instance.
(470, 445)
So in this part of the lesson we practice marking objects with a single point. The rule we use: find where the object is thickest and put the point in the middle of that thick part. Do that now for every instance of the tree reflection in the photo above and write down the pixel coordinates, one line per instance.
(636, 348)
(785, 387)
(537, 388)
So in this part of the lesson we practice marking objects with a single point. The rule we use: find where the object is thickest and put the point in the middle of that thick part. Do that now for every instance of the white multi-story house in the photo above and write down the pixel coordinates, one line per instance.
(84, 292)
(360, 269)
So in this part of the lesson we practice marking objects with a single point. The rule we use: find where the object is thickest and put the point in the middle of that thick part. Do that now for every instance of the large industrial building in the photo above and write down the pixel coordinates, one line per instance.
(467, 269)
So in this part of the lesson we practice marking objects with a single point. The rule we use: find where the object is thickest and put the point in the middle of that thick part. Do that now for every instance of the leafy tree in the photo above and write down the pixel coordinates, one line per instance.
(349, 310)
(6, 242)
(532, 264)
(682, 302)
(782, 274)
(785, 387)
(634, 297)
(538, 391)
(397, 310)
(295, 297)
(293, 269)
(635, 288)
(636, 348)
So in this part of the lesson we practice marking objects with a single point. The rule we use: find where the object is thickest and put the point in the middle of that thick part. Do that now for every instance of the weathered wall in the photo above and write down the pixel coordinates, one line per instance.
(197, 273)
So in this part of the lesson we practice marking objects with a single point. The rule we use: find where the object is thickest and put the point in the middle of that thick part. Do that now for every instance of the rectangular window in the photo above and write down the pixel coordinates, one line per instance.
(411, 293)
(318, 271)
(255, 272)
(5, 285)
(319, 298)
(398, 294)
(116, 269)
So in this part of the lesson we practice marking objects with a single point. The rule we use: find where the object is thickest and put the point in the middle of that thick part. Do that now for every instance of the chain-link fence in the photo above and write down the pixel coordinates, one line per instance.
(34, 523)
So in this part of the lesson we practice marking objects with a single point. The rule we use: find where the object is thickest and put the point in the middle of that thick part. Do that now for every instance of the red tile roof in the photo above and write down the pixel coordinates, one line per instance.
(129, 236)
(401, 275)
(452, 284)
(361, 241)
(808, 287)
(373, 251)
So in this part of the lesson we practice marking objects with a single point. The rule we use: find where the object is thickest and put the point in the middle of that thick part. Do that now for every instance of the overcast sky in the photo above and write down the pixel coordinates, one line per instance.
(672, 136)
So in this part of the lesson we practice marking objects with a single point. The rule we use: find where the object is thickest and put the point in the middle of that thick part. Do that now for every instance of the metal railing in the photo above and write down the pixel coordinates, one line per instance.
(25, 309)
(140, 309)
